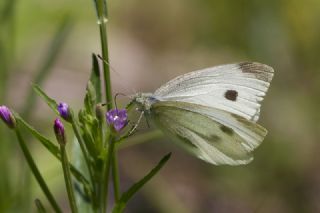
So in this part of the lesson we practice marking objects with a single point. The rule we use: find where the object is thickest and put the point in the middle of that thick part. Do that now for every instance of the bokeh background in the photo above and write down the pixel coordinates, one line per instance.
(50, 43)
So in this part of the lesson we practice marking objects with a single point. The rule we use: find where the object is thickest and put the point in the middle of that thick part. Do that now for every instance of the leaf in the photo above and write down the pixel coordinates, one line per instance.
(51, 103)
(53, 149)
(44, 141)
(120, 205)
(90, 99)
(88, 132)
(35, 171)
(95, 78)
(93, 90)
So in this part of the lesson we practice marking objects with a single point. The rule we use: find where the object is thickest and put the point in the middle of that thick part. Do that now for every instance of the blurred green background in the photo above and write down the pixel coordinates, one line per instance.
(50, 42)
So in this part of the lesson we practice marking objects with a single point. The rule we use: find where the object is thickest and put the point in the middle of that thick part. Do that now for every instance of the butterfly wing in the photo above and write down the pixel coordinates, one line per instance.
(213, 135)
(236, 88)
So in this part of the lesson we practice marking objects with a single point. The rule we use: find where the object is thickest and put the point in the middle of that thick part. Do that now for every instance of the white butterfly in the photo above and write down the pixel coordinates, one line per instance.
(212, 112)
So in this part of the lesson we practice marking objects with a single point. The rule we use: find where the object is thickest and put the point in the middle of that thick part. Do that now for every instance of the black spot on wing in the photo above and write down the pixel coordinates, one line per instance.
(226, 130)
(260, 71)
(231, 95)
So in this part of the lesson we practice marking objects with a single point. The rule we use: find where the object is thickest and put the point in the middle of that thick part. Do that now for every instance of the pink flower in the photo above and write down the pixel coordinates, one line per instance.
(7, 116)
(117, 118)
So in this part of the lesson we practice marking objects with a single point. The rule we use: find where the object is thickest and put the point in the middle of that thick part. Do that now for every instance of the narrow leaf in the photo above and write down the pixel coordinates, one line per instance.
(90, 100)
(120, 205)
(95, 77)
(35, 171)
(43, 140)
(51, 147)
(51, 103)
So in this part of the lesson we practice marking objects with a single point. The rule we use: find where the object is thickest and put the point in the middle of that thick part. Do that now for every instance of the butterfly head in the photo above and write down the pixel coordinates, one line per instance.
(144, 101)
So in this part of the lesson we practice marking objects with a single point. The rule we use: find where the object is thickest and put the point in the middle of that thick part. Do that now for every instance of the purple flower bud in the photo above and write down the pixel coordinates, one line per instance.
(63, 109)
(59, 131)
(7, 117)
(117, 118)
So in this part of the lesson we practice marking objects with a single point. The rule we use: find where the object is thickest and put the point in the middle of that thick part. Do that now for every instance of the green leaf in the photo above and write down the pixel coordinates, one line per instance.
(35, 171)
(43, 140)
(78, 130)
(88, 133)
(95, 78)
(90, 99)
(51, 103)
(120, 205)
(93, 90)
(51, 147)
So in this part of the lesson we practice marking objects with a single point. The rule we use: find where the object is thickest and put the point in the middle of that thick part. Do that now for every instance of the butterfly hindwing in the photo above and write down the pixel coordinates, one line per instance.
(209, 139)
(252, 133)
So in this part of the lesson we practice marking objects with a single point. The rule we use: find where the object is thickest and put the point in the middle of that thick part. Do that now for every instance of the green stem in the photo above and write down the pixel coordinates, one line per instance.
(115, 176)
(111, 160)
(36, 172)
(106, 175)
(102, 20)
(67, 178)
(103, 192)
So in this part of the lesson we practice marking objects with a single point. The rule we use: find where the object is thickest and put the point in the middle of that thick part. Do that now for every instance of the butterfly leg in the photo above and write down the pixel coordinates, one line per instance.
(133, 129)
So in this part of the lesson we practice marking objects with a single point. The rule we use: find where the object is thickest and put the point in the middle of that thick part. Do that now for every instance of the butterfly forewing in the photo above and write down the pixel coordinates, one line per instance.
(236, 88)
(213, 141)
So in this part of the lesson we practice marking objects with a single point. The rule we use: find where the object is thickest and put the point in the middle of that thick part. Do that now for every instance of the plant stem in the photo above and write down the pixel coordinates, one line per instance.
(36, 172)
(102, 20)
(67, 178)
(106, 175)
(111, 161)
(115, 176)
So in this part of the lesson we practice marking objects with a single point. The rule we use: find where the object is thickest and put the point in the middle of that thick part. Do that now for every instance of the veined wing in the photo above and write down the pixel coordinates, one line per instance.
(236, 88)
(226, 140)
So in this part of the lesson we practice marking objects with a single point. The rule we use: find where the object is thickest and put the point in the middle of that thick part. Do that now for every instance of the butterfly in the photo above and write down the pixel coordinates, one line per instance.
(212, 112)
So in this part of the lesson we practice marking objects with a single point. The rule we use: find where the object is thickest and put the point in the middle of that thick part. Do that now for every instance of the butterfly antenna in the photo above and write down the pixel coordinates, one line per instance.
(106, 62)
(106, 103)
(115, 98)
(115, 101)
(114, 70)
